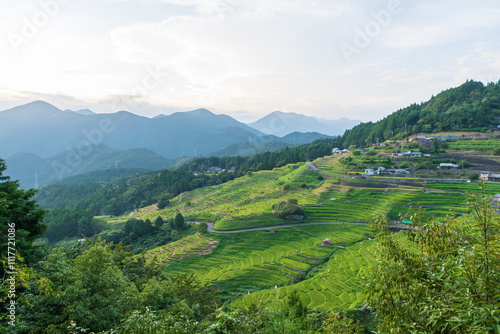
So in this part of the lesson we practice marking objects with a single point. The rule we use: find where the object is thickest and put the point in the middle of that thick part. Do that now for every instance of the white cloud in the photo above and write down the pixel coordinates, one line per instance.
(251, 56)
(267, 8)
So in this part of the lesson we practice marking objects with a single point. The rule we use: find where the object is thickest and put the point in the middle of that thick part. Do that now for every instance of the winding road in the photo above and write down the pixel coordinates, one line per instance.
(210, 227)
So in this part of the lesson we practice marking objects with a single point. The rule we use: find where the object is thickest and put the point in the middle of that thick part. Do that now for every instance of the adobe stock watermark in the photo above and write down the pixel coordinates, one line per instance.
(371, 30)
(11, 271)
(31, 26)
(75, 156)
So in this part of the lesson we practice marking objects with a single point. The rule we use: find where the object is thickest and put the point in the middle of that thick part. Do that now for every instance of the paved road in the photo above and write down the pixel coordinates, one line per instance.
(211, 226)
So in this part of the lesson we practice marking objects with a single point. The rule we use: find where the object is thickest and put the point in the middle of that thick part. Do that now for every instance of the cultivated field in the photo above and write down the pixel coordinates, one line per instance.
(260, 260)
(192, 245)
(336, 285)
(263, 266)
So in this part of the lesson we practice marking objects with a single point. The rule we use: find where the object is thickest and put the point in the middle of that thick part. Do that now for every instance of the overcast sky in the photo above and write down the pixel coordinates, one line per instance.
(361, 59)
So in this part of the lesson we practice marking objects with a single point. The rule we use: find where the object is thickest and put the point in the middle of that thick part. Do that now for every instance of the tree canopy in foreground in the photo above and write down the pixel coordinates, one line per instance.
(440, 277)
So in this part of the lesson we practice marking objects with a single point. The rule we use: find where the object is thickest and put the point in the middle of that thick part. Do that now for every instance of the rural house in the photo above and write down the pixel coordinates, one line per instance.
(212, 170)
(488, 176)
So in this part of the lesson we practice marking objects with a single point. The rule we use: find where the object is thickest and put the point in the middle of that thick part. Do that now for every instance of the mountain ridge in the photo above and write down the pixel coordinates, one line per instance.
(24, 166)
(471, 106)
(282, 123)
(48, 131)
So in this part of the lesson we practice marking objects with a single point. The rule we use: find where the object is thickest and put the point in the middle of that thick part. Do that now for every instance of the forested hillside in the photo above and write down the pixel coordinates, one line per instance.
(470, 107)
(129, 193)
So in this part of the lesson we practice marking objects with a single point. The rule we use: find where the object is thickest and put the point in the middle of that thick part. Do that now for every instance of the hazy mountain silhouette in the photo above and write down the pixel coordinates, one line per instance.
(280, 124)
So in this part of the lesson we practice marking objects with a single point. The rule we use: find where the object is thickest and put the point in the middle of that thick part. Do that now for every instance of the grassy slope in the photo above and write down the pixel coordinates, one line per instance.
(247, 201)
(244, 202)
(259, 260)
(481, 145)
(336, 285)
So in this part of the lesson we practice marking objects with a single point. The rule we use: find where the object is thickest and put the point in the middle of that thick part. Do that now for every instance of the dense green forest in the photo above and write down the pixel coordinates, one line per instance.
(469, 107)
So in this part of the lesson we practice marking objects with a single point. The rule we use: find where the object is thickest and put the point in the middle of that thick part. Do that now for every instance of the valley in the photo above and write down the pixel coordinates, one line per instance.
(257, 260)
(353, 230)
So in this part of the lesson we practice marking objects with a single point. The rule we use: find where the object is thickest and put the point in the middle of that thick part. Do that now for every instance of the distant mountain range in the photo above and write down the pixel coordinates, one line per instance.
(34, 171)
(42, 129)
(268, 143)
(280, 124)
(40, 138)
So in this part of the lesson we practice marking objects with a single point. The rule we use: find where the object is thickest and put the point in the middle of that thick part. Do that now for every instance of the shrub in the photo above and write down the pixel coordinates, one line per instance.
(202, 228)
(284, 209)
(163, 202)
(474, 177)
(299, 277)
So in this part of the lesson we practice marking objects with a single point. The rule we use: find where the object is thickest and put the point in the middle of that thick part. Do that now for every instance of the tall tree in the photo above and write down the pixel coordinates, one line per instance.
(21, 220)
(87, 284)
(179, 222)
(435, 145)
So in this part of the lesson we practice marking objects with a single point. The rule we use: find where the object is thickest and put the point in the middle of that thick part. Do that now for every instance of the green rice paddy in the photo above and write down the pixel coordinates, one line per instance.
(192, 245)
(481, 145)
(336, 285)
(261, 260)
(262, 266)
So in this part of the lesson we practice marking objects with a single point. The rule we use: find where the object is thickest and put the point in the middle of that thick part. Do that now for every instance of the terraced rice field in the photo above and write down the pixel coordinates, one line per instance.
(355, 205)
(260, 260)
(337, 285)
(266, 263)
(247, 201)
(352, 205)
(464, 188)
(193, 245)
(481, 145)
(244, 202)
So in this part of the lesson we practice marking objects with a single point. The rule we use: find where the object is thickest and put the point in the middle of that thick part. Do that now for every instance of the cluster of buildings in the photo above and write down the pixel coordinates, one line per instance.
(421, 138)
(441, 138)
(447, 165)
(385, 171)
(214, 170)
(410, 154)
(339, 151)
